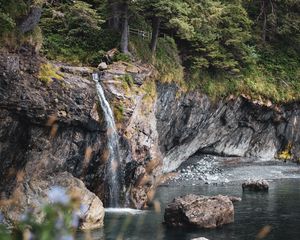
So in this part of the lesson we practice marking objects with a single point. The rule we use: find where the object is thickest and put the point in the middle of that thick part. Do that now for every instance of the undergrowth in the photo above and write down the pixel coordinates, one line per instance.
(275, 77)
(166, 60)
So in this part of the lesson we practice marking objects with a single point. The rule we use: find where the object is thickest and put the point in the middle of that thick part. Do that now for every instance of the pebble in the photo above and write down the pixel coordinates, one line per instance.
(205, 170)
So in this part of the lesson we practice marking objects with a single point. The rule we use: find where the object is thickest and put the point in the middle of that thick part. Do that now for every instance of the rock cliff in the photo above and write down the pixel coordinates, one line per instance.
(191, 124)
(50, 128)
(45, 129)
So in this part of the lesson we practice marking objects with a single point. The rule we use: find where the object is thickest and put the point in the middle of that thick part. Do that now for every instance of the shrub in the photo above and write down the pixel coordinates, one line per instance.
(48, 72)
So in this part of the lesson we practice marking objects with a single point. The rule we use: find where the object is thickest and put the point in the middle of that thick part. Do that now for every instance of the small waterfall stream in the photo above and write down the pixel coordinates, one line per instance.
(113, 146)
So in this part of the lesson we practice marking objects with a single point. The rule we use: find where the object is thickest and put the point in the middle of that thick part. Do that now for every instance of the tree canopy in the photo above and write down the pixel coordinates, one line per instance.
(215, 37)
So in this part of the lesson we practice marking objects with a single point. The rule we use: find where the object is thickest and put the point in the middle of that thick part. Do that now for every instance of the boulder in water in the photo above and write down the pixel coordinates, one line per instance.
(199, 211)
(200, 238)
(255, 185)
(235, 199)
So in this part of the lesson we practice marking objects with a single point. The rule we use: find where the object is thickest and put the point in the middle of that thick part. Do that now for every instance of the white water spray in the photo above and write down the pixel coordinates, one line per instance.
(112, 144)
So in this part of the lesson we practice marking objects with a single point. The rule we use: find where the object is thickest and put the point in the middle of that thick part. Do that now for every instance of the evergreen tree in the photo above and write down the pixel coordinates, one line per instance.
(171, 13)
(276, 21)
(222, 32)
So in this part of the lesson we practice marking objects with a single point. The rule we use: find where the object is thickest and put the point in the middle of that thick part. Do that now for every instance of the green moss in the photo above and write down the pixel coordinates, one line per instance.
(149, 88)
(127, 82)
(286, 153)
(119, 111)
(128, 79)
(150, 94)
(48, 72)
(121, 57)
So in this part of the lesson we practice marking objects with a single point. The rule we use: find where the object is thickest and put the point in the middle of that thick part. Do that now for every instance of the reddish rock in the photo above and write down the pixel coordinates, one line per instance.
(255, 185)
(199, 211)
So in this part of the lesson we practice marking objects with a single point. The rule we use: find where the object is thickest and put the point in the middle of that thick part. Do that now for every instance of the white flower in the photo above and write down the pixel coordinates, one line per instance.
(66, 237)
(59, 224)
(58, 195)
(75, 219)
(1, 218)
(24, 217)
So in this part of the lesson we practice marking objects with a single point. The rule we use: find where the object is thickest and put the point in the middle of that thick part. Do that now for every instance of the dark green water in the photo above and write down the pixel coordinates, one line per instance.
(279, 208)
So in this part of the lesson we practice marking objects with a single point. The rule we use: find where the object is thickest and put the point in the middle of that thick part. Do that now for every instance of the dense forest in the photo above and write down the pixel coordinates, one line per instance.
(221, 47)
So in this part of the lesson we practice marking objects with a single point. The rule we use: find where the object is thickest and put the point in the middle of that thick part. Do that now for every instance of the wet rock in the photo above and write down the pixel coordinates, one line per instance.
(199, 211)
(255, 185)
(235, 199)
(139, 197)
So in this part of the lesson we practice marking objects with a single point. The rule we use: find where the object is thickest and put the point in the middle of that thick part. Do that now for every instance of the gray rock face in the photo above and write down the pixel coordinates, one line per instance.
(139, 143)
(255, 185)
(48, 128)
(191, 124)
(199, 211)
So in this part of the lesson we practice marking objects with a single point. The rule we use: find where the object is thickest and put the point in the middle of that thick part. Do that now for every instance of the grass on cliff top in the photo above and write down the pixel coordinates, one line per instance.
(12, 40)
(275, 77)
(257, 84)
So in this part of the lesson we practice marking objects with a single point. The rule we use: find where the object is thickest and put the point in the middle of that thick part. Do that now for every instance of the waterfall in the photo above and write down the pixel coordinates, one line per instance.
(113, 146)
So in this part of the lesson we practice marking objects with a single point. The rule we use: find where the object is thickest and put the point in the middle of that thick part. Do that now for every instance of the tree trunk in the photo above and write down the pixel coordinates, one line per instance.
(264, 27)
(125, 28)
(155, 33)
(114, 20)
(31, 20)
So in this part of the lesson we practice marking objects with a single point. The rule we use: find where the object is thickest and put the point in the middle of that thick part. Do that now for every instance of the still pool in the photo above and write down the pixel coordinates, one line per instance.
(279, 209)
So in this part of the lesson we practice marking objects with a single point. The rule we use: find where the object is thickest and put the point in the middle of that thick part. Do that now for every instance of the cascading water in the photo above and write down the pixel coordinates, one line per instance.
(113, 146)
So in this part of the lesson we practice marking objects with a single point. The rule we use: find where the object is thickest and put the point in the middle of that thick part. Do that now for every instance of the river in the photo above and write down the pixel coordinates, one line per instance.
(277, 210)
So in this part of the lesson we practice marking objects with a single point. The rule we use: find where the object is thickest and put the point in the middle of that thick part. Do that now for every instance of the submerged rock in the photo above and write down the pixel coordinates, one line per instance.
(199, 211)
(255, 185)
(200, 238)
(235, 199)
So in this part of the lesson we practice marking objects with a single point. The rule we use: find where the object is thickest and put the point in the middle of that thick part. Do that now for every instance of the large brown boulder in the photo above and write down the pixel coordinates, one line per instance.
(255, 185)
(33, 194)
(199, 211)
